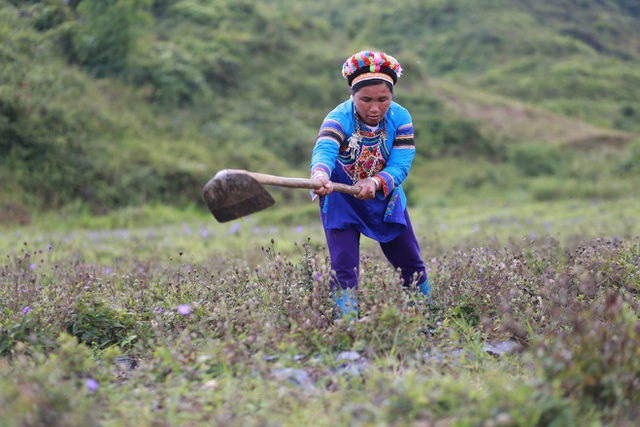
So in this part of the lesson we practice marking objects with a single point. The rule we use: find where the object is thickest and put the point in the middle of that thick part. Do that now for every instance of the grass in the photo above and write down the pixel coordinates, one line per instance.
(159, 316)
(230, 324)
(521, 121)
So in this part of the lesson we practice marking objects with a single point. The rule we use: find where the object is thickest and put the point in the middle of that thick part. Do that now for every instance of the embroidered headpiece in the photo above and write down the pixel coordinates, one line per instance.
(369, 65)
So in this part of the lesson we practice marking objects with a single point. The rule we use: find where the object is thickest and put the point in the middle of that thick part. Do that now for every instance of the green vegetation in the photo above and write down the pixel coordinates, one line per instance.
(109, 104)
(125, 303)
(232, 324)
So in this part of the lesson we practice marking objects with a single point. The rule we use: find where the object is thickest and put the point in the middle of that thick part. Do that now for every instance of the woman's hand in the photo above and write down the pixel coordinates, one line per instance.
(368, 188)
(327, 185)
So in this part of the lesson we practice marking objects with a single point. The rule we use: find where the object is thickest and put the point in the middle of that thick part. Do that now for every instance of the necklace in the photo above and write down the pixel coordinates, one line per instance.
(365, 164)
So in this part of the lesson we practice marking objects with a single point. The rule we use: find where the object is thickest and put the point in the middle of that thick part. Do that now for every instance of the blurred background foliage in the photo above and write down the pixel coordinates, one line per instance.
(112, 103)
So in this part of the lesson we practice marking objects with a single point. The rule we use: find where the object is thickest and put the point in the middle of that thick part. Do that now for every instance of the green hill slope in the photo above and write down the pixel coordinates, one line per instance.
(111, 103)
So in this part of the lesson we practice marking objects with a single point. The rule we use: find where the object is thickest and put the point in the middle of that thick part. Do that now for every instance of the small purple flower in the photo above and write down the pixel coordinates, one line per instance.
(92, 385)
(107, 271)
(317, 276)
(533, 236)
(184, 309)
(159, 310)
(32, 267)
(204, 233)
(25, 310)
(234, 228)
(299, 229)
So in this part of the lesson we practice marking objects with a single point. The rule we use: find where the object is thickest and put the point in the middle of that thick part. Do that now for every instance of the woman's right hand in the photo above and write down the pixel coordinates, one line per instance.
(327, 185)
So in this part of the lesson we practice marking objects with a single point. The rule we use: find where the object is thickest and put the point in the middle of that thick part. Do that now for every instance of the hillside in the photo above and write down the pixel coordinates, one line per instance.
(518, 121)
(105, 104)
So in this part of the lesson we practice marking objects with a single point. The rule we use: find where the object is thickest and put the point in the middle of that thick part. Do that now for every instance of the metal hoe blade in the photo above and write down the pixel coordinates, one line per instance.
(230, 195)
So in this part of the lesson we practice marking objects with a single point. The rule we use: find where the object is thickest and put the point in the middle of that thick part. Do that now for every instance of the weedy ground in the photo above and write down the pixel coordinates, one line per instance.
(122, 328)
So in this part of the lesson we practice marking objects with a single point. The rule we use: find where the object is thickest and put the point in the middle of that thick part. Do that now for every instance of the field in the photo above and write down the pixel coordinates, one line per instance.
(161, 317)
(124, 303)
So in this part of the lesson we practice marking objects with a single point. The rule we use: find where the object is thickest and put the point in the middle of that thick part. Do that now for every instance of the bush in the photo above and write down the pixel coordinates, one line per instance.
(597, 358)
(631, 160)
(452, 136)
(97, 325)
(50, 390)
(535, 159)
(106, 34)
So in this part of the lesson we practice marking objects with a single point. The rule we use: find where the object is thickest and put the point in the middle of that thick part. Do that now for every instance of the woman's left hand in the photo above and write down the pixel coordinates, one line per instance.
(367, 187)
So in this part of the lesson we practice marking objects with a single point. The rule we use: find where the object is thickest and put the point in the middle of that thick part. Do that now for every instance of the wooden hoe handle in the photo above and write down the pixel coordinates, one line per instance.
(311, 184)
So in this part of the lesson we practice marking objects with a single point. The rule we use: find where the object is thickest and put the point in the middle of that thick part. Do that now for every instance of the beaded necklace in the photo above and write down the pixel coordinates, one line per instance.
(355, 148)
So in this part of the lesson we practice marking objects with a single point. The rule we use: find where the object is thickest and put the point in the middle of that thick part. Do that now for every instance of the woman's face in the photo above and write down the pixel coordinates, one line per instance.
(372, 103)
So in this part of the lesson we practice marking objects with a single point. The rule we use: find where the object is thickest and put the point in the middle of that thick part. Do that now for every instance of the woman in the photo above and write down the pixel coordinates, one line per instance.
(367, 141)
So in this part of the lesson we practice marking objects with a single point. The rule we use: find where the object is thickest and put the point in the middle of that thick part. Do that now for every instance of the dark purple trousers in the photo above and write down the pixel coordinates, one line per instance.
(403, 253)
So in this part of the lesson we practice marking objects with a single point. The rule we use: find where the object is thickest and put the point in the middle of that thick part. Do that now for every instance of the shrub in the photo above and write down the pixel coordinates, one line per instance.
(596, 359)
(631, 159)
(535, 159)
(28, 330)
(453, 136)
(39, 390)
(104, 38)
(98, 325)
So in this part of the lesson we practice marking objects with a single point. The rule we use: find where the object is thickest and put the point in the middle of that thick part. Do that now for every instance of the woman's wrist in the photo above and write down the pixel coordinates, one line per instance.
(319, 173)
(376, 181)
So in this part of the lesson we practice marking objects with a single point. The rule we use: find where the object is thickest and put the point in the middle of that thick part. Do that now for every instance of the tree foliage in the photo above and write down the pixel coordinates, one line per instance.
(116, 102)
(105, 33)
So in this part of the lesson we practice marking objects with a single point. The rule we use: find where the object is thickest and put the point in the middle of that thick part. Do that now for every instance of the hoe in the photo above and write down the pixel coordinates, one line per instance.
(234, 193)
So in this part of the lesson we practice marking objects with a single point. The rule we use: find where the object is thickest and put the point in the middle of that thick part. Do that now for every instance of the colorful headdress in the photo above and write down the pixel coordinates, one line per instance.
(369, 65)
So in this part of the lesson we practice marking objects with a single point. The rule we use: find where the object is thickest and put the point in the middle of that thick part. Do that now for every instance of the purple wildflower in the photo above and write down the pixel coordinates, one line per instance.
(92, 385)
(32, 267)
(159, 310)
(107, 271)
(25, 310)
(234, 228)
(184, 309)
(299, 229)
(204, 233)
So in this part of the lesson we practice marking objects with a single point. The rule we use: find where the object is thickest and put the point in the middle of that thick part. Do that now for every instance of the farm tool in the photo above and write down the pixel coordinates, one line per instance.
(234, 193)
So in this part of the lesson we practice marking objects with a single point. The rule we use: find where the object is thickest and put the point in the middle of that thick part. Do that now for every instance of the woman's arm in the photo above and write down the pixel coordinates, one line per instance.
(402, 152)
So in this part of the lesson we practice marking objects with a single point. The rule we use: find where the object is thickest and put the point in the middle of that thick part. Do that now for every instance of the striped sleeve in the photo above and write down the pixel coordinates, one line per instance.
(404, 137)
(330, 136)
(331, 129)
(402, 152)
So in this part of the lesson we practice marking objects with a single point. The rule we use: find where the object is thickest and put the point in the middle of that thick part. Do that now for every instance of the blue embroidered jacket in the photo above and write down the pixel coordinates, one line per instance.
(386, 152)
